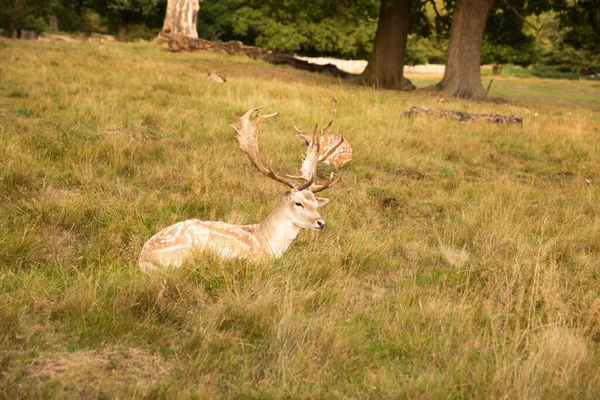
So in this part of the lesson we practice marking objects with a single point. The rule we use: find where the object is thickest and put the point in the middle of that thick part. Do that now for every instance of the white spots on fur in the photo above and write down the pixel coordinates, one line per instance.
(173, 244)
(335, 150)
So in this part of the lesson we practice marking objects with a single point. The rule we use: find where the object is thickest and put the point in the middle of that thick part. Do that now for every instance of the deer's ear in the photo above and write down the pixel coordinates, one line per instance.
(321, 201)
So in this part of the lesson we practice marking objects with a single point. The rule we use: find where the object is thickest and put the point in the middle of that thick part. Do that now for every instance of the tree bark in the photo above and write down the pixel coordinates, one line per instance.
(386, 64)
(462, 77)
(181, 17)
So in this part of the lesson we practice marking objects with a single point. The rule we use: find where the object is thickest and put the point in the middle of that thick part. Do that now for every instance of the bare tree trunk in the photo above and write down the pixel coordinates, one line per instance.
(181, 17)
(15, 16)
(462, 77)
(386, 64)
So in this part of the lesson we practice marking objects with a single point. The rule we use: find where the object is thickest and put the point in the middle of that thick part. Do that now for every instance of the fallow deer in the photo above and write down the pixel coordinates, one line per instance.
(268, 239)
(334, 149)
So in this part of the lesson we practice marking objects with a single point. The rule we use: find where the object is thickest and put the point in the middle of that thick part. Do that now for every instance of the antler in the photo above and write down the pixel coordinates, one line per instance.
(306, 137)
(334, 111)
(308, 170)
(247, 136)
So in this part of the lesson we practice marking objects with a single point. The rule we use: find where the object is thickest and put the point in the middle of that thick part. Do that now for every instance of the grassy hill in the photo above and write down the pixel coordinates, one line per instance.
(459, 259)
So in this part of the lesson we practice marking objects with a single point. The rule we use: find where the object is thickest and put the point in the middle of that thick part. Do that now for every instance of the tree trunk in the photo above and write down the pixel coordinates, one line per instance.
(15, 16)
(181, 17)
(122, 30)
(386, 64)
(462, 77)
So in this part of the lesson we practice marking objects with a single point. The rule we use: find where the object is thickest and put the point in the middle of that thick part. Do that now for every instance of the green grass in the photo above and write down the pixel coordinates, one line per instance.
(558, 95)
(517, 71)
(459, 260)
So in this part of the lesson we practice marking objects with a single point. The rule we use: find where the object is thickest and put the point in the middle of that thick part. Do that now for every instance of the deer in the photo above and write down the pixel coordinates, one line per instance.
(269, 239)
(334, 149)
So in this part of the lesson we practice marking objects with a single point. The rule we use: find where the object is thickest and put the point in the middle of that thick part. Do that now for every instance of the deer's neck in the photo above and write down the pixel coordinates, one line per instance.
(278, 231)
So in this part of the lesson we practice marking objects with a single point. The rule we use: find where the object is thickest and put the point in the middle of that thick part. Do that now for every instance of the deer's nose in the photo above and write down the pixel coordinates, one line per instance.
(321, 224)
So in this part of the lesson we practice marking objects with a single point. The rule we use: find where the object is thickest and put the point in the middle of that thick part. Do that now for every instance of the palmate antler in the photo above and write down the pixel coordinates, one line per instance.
(247, 136)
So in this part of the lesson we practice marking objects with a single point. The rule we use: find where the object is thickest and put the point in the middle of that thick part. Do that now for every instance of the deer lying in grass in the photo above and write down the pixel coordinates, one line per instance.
(334, 149)
(268, 239)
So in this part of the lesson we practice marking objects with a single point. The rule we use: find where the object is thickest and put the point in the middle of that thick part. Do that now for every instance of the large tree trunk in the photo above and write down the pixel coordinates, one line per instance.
(387, 59)
(462, 77)
(15, 16)
(181, 17)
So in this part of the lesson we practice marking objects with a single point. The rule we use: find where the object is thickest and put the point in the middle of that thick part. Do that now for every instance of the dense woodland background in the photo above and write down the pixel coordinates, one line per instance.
(550, 35)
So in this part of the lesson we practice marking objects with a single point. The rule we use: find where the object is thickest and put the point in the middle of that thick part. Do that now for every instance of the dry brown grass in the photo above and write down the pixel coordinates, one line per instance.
(459, 260)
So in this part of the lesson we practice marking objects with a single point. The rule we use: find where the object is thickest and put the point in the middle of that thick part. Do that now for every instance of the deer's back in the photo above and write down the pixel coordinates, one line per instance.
(175, 243)
(334, 149)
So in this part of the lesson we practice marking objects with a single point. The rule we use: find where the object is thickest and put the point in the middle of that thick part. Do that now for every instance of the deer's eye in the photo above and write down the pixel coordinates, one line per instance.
(299, 205)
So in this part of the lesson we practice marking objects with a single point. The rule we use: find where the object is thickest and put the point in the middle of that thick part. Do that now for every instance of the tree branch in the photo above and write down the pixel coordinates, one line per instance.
(519, 16)
(437, 12)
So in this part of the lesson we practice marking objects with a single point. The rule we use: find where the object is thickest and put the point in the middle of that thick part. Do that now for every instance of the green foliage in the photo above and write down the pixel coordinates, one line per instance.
(344, 30)
(141, 7)
(565, 58)
(580, 21)
(313, 28)
(583, 19)
(518, 71)
(566, 41)
(505, 41)
(556, 47)
(141, 32)
(267, 32)
(425, 50)
(37, 24)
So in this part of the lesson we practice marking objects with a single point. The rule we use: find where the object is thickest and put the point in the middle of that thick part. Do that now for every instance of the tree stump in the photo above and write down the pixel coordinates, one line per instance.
(28, 35)
(497, 70)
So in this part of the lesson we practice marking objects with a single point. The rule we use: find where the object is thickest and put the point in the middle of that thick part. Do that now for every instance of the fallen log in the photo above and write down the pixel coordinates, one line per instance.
(177, 43)
(464, 116)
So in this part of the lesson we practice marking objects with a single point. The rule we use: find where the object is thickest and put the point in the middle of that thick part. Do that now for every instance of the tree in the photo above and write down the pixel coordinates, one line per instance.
(505, 40)
(582, 17)
(386, 63)
(341, 29)
(128, 11)
(15, 15)
(122, 13)
(181, 17)
(462, 76)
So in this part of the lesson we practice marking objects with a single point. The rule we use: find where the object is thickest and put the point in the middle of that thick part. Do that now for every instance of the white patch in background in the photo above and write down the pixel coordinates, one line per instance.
(454, 256)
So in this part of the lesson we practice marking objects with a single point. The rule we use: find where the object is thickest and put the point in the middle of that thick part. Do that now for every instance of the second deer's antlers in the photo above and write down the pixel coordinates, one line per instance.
(247, 135)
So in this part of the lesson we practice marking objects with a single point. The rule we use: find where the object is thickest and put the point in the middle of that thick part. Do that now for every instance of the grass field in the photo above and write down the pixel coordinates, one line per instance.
(459, 260)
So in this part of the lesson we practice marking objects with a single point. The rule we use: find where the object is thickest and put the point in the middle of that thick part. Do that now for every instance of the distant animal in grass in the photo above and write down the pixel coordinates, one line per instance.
(334, 149)
(215, 77)
(267, 239)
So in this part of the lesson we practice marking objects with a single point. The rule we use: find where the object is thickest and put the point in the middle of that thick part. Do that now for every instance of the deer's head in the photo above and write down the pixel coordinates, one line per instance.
(301, 207)
(300, 203)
